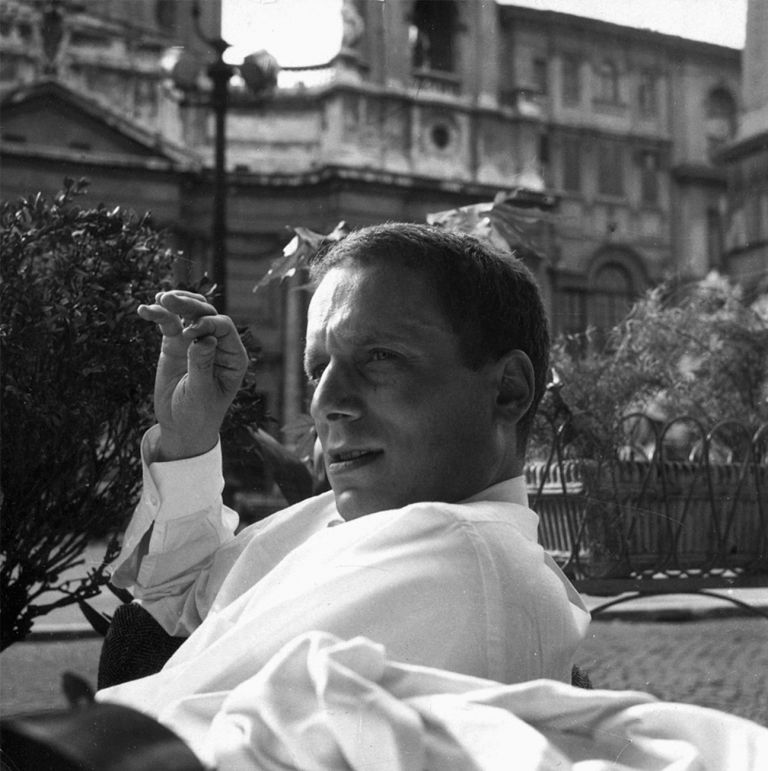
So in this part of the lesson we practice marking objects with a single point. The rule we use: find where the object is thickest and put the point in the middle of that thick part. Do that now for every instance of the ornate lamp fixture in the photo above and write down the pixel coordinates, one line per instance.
(259, 73)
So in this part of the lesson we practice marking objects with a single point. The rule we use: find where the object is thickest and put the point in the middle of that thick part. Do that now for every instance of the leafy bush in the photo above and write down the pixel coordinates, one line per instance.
(77, 380)
(698, 350)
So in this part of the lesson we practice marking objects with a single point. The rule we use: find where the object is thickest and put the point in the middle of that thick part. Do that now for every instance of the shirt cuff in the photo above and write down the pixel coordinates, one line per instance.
(179, 488)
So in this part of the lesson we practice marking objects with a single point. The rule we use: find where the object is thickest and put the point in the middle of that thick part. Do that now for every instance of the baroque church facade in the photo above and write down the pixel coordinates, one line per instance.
(746, 161)
(428, 106)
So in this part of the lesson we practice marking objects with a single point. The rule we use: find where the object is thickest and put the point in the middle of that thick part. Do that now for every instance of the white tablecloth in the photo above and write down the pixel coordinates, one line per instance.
(323, 703)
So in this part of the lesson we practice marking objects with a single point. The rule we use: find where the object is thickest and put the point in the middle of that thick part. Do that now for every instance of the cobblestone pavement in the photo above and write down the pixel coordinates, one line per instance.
(720, 663)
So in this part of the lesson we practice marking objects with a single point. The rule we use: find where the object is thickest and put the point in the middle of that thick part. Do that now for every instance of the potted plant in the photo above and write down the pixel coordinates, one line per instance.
(649, 453)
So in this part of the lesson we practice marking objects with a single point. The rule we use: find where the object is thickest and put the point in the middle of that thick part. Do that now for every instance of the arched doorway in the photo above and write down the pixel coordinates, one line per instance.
(612, 295)
(615, 280)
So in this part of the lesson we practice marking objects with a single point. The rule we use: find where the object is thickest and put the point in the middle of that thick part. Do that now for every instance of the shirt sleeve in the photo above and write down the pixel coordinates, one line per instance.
(172, 555)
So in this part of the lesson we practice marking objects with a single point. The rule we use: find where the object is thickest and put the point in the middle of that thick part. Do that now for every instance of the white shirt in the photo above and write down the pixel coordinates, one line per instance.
(463, 587)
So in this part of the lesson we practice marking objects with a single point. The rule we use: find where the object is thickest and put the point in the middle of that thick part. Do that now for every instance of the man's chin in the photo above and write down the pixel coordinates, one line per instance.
(353, 504)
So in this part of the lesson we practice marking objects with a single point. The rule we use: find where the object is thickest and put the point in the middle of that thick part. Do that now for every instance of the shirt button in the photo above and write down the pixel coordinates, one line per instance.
(153, 500)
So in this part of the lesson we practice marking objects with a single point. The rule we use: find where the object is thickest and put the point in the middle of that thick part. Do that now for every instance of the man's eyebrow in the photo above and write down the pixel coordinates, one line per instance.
(376, 337)
(403, 334)
(401, 331)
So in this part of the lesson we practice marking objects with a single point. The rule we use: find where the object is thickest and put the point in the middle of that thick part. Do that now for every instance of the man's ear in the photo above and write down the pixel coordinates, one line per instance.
(516, 384)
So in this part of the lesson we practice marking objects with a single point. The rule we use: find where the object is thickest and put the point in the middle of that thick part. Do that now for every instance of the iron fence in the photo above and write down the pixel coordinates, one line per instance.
(679, 502)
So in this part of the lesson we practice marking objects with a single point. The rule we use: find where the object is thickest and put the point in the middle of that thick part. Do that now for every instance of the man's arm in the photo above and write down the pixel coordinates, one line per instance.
(178, 539)
(169, 548)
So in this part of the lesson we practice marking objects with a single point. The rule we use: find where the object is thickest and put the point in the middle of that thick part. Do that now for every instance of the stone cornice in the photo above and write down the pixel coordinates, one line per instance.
(31, 151)
(755, 144)
(600, 29)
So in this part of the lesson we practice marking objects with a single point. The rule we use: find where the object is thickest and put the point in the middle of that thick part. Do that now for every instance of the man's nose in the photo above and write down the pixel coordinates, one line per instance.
(337, 394)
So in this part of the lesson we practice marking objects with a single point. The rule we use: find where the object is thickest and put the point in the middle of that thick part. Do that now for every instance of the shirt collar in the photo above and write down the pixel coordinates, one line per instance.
(512, 490)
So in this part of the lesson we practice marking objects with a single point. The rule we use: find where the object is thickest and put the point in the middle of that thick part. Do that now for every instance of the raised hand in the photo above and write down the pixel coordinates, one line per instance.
(201, 366)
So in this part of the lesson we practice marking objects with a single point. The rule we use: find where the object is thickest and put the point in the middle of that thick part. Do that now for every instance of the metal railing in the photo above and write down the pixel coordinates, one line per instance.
(659, 514)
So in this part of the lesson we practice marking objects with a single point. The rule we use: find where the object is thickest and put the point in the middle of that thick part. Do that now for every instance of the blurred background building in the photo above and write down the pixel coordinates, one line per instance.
(746, 159)
(626, 134)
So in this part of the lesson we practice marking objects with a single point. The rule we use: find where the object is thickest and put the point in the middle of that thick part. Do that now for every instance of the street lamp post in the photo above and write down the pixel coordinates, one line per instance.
(220, 73)
(259, 76)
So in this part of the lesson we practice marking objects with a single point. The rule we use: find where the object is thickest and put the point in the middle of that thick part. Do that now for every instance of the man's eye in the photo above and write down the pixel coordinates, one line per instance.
(379, 355)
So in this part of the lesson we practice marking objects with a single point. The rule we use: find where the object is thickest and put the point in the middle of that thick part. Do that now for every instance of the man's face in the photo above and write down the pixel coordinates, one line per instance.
(400, 417)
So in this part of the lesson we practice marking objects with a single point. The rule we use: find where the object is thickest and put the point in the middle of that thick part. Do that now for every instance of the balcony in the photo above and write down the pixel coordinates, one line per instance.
(436, 82)
(524, 101)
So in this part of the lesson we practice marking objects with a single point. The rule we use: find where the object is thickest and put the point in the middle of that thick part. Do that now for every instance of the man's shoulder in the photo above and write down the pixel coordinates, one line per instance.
(432, 526)
(440, 521)
(303, 517)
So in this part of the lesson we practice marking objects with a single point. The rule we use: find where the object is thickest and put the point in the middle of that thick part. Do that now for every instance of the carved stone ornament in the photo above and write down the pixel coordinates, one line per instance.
(353, 25)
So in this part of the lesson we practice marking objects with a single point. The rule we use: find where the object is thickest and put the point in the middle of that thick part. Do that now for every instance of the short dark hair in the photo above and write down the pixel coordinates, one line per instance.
(489, 297)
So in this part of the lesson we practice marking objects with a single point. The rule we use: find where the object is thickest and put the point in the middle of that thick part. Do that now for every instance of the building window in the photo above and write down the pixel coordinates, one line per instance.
(714, 237)
(610, 169)
(649, 177)
(612, 296)
(543, 149)
(762, 214)
(607, 82)
(10, 70)
(720, 119)
(432, 35)
(165, 14)
(571, 164)
(753, 224)
(571, 79)
(646, 95)
(24, 30)
(569, 314)
(540, 77)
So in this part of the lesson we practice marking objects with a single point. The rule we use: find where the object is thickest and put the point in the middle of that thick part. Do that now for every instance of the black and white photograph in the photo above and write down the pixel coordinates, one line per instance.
(384, 385)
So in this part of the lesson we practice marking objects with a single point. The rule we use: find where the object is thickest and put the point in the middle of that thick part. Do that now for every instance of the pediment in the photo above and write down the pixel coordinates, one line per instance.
(48, 116)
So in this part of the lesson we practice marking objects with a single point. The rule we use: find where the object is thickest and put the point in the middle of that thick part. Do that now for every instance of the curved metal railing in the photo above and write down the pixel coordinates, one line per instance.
(649, 512)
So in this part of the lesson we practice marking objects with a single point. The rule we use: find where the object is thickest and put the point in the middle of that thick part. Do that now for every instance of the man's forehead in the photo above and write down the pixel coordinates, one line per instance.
(367, 296)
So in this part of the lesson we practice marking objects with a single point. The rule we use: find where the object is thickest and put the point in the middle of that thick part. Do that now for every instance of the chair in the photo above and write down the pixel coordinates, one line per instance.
(135, 646)
(98, 737)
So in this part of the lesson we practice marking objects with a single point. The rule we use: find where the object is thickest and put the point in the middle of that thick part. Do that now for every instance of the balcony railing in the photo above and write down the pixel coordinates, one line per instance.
(437, 82)
(525, 101)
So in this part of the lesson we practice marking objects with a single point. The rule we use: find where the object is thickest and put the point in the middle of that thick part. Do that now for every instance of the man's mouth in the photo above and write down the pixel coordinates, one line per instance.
(347, 460)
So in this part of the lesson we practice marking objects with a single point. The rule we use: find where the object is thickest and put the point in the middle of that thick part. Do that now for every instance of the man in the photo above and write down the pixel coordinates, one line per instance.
(428, 354)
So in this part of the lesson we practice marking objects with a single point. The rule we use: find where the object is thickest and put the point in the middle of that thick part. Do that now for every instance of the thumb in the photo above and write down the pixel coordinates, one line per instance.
(200, 360)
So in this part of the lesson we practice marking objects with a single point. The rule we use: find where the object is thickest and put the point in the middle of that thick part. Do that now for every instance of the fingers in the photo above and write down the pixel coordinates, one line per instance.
(187, 305)
(181, 293)
(169, 323)
(197, 343)
(216, 344)
(221, 328)
(172, 311)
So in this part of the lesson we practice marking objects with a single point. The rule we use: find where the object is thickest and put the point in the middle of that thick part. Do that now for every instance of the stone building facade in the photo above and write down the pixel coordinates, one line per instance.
(746, 159)
(630, 122)
(427, 106)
